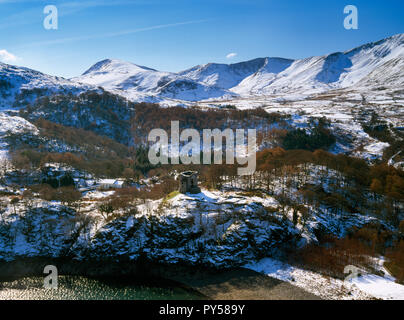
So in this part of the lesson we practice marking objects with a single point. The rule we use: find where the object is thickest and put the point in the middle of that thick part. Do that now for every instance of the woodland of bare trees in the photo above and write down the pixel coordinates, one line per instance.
(293, 167)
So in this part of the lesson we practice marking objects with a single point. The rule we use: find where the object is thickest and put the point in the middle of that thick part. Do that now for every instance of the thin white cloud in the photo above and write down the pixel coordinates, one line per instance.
(111, 34)
(231, 55)
(78, 2)
(65, 8)
(6, 56)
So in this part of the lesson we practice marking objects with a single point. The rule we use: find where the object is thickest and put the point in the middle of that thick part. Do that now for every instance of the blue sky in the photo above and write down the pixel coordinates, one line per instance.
(172, 35)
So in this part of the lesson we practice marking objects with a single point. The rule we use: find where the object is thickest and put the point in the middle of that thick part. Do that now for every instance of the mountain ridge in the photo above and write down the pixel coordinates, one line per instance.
(368, 66)
(260, 76)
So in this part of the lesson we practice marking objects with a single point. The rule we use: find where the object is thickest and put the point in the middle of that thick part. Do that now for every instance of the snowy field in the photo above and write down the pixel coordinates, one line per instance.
(365, 287)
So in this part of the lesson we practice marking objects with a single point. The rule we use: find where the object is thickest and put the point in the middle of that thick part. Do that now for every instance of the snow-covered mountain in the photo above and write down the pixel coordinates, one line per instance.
(369, 64)
(224, 76)
(20, 85)
(389, 74)
(123, 75)
(333, 71)
(139, 83)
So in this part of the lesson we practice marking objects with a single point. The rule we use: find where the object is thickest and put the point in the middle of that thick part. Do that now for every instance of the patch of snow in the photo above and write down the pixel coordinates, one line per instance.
(380, 287)
(325, 287)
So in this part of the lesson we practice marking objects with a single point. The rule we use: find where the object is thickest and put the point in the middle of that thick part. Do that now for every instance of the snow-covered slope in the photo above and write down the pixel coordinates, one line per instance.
(24, 85)
(333, 71)
(139, 83)
(224, 76)
(12, 125)
(122, 75)
(389, 74)
(368, 64)
(367, 58)
(264, 77)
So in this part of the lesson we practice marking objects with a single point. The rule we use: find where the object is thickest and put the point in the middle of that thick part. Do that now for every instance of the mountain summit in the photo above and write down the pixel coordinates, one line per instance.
(261, 76)
(373, 65)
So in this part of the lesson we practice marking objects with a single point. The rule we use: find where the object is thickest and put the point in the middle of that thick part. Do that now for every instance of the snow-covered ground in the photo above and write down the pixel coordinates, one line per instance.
(212, 227)
(97, 194)
(373, 150)
(364, 287)
(223, 228)
(12, 124)
(380, 287)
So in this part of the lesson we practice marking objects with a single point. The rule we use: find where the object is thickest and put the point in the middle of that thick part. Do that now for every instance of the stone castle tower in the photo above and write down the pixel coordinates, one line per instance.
(188, 182)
